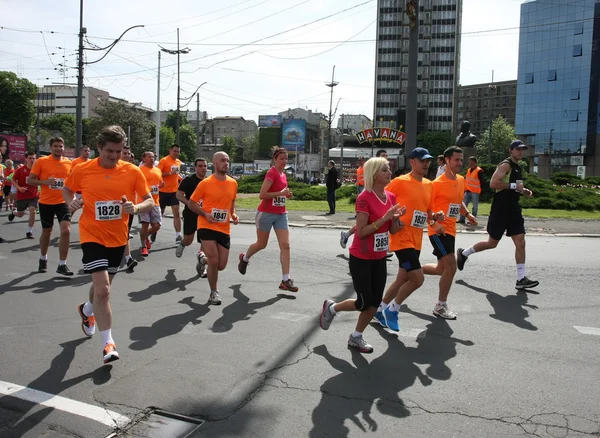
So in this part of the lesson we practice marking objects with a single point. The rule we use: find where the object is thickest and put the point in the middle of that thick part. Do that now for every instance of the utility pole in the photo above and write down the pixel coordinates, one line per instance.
(79, 102)
(157, 141)
(412, 10)
(342, 147)
(492, 94)
(331, 84)
(197, 121)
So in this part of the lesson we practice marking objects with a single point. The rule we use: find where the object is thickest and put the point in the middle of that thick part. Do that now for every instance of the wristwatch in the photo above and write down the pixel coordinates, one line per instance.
(432, 222)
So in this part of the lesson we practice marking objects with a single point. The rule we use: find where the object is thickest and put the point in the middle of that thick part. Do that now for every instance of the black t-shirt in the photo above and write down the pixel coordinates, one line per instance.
(188, 185)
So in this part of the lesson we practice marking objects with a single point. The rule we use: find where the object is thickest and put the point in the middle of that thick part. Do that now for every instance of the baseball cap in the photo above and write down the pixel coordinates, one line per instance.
(518, 144)
(420, 153)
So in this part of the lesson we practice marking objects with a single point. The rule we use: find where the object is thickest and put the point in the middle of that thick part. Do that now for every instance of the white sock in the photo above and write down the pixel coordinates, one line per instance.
(245, 258)
(520, 271)
(62, 262)
(381, 307)
(356, 334)
(127, 258)
(467, 252)
(286, 277)
(29, 229)
(179, 234)
(44, 257)
(106, 337)
(394, 306)
(88, 309)
(332, 309)
(441, 303)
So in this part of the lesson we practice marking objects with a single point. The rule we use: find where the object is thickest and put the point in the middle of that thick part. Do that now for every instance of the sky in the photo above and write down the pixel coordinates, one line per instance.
(256, 56)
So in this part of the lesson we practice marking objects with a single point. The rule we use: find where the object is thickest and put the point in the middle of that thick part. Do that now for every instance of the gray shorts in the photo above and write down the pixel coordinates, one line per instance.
(152, 217)
(265, 221)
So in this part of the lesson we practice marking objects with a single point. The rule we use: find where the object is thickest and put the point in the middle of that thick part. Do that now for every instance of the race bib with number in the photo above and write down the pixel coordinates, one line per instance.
(279, 201)
(58, 184)
(109, 210)
(219, 215)
(154, 190)
(454, 211)
(175, 169)
(381, 242)
(419, 219)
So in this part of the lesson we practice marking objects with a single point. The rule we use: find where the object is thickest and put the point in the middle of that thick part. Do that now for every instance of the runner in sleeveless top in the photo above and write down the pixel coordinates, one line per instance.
(27, 194)
(447, 196)
(131, 263)
(152, 220)
(190, 219)
(106, 184)
(170, 166)
(505, 214)
(217, 193)
(377, 213)
(273, 214)
(50, 173)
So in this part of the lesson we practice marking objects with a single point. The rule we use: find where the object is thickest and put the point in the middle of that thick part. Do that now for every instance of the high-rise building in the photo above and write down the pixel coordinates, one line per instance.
(557, 111)
(438, 62)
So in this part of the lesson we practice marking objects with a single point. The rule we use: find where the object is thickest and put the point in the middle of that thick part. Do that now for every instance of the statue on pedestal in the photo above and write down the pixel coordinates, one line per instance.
(465, 139)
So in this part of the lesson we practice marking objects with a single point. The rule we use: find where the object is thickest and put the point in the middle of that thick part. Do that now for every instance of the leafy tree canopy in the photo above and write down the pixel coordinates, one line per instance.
(503, 133)
(17, 110)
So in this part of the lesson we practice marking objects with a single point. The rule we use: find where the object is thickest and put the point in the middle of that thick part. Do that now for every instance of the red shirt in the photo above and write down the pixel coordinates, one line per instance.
(7, 174)
(374, 246)
(20, 176)
(275, 205)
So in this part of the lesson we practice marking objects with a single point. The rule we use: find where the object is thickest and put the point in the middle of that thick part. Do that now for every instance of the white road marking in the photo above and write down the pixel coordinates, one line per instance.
(414, 333)
(96, 413)
(12, 274)
(294, 317)
(587, 330)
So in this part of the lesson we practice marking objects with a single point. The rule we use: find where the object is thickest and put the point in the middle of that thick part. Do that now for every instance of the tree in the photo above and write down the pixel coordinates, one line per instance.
(229, 147)
(250, 144)
(187, 142)
(435, 142)
(167, 138)
(503, 133)
(172, 120)
(17, 110)
(63, 123)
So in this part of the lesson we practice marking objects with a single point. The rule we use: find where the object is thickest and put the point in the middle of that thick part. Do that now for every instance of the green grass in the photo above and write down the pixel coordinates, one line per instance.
(343, 205)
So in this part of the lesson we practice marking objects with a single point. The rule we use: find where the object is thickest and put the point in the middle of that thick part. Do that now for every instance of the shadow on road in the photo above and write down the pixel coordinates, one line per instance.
(46, 285)
(510, 309)
(162, 287)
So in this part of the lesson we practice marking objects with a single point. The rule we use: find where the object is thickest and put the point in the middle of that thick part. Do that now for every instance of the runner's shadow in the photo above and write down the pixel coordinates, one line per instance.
(147, 337)
(510, 309)
(240, 310)
(46, 285)
(36, 247)
(51, 383)
(162, 287)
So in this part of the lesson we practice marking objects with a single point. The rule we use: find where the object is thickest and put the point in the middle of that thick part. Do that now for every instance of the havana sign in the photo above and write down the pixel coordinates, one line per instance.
(381, 134)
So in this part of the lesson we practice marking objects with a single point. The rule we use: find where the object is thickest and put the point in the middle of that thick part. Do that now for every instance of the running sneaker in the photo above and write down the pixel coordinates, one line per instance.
(88, 323)
(359, 343)
(201, 265)
(460, 259)
(526, 283)
(110, 353)
(442, 311)
(144, 251)
(43, 266)
(215, 298)
(64, 270)
(130, 236)
(391, 319)
(326, 315)
(242, 265)
(177, 239)
(380, 319)
(148, 244)
(29, 235)
(153, 237)
(343, 239)
(131, 263)
(11, 216)
(288, 285)
(179, 250)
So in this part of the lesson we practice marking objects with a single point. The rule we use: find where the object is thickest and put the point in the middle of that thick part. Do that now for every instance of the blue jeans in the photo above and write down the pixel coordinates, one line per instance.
(471, 197)
(331, 199)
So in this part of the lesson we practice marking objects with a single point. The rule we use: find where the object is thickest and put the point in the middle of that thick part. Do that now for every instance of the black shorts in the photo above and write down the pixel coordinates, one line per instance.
(24, 204)
(167, 199)
(98, 258)
(442, 245)
(408, 258)
(6, 190)
(221, 238)
(505, 219)
(368, 278)
(48, 211)
(130, 222)
(190, 222)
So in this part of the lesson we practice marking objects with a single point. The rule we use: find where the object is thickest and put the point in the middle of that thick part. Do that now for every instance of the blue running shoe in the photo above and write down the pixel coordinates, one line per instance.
(380, 319)
(391, 319)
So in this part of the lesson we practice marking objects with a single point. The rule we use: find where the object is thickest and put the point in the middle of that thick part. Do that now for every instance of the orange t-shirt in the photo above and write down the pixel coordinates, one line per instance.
(217, 197)
(416, 196)
(447, 196)
(154, 178)
(360, 176)
(79, 160)
(48, 167)
(102, 220)
(166, 165)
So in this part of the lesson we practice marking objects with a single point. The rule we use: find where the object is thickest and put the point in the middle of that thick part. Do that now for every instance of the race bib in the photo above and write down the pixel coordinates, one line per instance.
(454, 211)
(109, 210)
(279, 201)
(381, 242)
(154, 190)
(58, 184)
(174, 169)
(419, 219)
(219, 215)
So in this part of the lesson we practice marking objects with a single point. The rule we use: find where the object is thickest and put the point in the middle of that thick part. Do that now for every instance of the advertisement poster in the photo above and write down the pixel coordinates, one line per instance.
(269, 121)
(17, 146)
(294, 135)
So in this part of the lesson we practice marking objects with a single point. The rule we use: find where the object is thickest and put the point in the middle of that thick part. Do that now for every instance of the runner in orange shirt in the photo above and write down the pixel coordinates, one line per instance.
(170, 166)
(50, 173)
(152, 220)
(106, 185)
(218, 193)
(83, 158)
(447, 196)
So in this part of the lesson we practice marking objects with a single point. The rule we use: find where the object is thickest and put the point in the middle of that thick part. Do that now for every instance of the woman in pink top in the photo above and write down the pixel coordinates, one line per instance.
(273, 214)
(377, 214)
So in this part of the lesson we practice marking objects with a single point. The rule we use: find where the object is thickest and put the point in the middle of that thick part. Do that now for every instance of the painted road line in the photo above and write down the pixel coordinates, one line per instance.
(96, 413)
(587, 330)
(286, 316)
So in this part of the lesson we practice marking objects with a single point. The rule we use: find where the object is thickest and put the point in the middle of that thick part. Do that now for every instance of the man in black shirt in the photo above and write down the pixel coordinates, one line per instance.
(190, 219)
(332, 185)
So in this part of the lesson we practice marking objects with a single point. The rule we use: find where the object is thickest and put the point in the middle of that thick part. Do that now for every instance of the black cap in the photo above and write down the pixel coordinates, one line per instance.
(518, 144)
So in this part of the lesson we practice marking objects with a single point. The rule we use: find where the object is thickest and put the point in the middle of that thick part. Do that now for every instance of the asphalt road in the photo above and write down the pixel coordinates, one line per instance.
(513, 364)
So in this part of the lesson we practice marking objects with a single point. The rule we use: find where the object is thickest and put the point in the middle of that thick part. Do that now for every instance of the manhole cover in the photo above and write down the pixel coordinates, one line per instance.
(160, 424)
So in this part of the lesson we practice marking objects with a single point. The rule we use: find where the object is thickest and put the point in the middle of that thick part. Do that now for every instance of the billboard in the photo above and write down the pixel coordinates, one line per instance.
(293, 135)
(309, 163)
(17, 146)
(269, 121)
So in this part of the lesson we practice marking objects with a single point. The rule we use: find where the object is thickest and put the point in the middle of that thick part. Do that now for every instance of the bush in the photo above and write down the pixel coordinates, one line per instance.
(592, 181)
(564, 178)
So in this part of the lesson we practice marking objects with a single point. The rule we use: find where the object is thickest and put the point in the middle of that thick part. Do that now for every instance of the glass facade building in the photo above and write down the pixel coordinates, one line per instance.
(557, 84)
